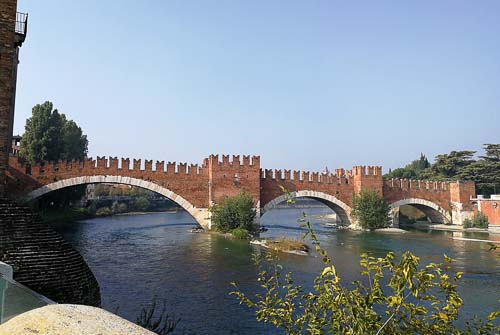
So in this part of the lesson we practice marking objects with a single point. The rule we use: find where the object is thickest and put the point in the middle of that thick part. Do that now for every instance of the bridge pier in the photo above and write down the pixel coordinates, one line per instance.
(459, 214)
(394, 214)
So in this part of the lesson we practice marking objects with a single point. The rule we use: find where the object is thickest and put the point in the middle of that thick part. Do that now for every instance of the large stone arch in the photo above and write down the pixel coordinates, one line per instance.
(340, 208)
(201, 215)
(433, 211)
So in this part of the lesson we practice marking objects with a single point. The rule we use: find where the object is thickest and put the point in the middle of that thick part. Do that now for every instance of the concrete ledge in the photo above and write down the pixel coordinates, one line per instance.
(70, 320)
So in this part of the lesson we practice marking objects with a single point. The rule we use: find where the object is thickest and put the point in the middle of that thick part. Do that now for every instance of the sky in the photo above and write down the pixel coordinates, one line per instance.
(303, 84)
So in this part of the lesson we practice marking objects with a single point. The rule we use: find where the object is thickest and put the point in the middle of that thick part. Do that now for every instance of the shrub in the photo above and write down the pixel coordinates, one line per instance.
(479, 220)
(370, 210)
(103, 211)
(240, 233)
(234, 212)
(119, 207)
(161, 324)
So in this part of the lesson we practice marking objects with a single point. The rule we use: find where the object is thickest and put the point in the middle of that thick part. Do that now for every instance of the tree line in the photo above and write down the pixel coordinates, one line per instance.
(457, 165)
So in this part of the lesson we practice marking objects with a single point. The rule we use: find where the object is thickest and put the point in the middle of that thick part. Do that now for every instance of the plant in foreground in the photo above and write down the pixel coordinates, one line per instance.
(161, 323)
(394, 297)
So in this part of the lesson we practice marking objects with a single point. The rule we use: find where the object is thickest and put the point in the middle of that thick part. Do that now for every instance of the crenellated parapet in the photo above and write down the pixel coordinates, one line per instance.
(340, 177)
(105, 165)
(234, 161)
(413, 184)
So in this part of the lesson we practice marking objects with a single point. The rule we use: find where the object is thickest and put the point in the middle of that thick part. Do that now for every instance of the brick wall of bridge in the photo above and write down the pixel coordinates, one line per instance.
(231, 176)
(188, 181)
(220, 177)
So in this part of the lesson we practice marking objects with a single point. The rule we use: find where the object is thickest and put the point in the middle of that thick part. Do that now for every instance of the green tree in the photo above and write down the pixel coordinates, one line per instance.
(370, 210)
(49, 136)
(449, 166)
(141, 203)
(234, 212)
(412, 170)
(396, 297)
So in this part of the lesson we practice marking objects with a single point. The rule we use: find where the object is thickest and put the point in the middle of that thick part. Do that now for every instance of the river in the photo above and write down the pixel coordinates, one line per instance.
(137, 257)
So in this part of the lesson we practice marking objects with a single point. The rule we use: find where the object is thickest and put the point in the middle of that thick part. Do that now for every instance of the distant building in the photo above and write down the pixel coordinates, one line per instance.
(16, 145)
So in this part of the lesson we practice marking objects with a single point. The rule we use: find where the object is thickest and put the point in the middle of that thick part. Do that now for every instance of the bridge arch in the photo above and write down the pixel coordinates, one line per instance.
(199, 214)
(339, 207)
(432, 210)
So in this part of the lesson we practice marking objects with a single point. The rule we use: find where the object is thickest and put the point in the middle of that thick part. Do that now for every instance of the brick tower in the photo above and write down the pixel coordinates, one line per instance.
(13, 28)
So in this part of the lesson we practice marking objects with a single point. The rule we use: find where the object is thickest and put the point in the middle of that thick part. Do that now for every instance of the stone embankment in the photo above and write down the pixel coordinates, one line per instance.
(42, 260)
(70, 320)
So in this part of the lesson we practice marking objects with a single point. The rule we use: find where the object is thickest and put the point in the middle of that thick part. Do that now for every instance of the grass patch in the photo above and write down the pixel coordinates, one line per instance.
(285, 244)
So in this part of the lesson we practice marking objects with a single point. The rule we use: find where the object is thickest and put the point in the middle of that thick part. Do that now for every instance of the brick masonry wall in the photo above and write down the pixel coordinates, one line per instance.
(7, 53)
(399, 189)
(491, 208)
(230, 177)
(190, 182)
(340, 185)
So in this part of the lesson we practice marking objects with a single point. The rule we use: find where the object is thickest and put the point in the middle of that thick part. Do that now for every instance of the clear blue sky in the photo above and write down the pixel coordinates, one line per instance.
(304, 84)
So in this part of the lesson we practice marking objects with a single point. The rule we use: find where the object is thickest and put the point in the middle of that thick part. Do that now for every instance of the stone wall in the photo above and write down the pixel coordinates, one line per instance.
(42, 260)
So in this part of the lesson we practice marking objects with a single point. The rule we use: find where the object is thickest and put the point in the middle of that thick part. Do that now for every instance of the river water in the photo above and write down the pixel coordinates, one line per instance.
(137, 257)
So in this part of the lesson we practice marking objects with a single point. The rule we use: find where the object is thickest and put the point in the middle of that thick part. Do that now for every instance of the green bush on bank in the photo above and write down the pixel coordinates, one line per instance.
(479, 220)
(235, 212)
(370, 210)
(240, 233)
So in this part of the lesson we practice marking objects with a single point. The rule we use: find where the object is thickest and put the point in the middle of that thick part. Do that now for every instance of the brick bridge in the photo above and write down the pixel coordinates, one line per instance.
(195, 187)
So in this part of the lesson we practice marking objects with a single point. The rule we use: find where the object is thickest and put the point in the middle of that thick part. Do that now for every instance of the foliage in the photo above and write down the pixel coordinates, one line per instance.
(412, 170)
(49, 136)
(479, 220)
(103, 211)
(115, 191)
(234, 212)
(394, 297)
(458, 165)
(240, 233)
(162, 324)
(141, 203)
(370, 210)
(119, 207)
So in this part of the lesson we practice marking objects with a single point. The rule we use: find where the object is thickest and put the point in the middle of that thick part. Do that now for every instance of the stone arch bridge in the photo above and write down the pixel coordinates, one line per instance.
(195, 187)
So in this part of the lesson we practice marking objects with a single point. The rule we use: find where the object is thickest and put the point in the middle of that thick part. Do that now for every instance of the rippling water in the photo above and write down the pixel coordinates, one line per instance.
(137, 257)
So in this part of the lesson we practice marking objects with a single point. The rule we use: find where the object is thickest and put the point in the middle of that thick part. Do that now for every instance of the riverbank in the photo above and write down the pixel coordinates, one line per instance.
(444, 227)
(70, 215)
(67, 215)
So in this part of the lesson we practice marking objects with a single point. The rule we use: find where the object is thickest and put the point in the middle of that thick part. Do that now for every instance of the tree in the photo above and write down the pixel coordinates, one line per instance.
(49, 136)
(370, 210)
(412, 170)
(141, 203)
(396, 297)
(235, 212)
(448, 166)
